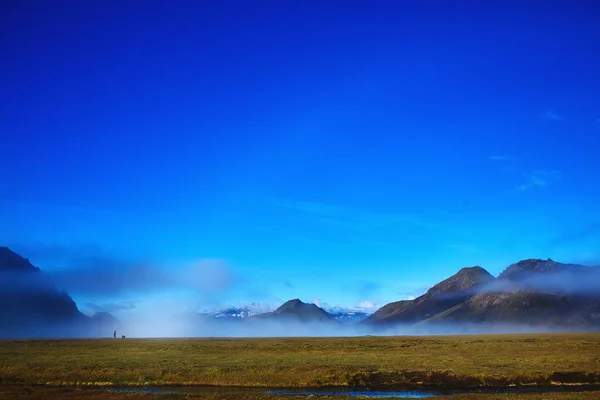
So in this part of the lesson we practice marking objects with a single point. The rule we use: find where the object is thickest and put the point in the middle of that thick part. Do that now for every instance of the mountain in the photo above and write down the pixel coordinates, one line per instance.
(239, 313)
(101, 324)
(298, 311)
(234, 313)
(30, 304)
(347, 316)
(446, 294)
(12, 262)
(343, 315)
(529, 293)
(536, 292)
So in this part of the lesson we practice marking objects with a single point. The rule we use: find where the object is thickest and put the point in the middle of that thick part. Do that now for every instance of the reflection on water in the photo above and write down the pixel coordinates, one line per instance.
(350, 392)
(373, 393)
(405, 394)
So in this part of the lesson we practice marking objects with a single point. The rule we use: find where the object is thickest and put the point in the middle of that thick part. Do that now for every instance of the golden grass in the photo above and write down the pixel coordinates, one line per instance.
(449, 361)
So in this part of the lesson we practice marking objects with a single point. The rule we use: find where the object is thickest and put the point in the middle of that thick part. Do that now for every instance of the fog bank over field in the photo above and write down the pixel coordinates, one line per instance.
(183, 328)
(532, 295)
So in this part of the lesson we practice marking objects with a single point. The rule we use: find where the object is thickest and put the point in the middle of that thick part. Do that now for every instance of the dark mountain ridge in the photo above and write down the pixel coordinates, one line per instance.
(31, 306)
(12, 262)
(531, 292)
(444, 295)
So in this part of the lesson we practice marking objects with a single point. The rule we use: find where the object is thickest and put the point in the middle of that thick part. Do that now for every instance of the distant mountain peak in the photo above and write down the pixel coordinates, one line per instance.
(297, 309)
(293, 304)
(466, 279)
(347, 315)
(518, 270)
(468, 270)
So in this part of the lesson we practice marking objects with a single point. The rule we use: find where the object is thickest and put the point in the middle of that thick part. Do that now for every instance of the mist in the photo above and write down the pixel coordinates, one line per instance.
(189, 327)
(572, 280)
(37, 304)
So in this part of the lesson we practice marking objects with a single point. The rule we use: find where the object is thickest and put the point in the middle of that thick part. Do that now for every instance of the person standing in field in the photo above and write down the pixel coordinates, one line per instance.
(115, 334)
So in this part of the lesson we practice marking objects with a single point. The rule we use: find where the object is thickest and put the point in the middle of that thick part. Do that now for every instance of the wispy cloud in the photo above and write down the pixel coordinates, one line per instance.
(357, 220)
(465, 247)
(363, 288)
(535, 179)
(539, 179)
(89, 271)
(288, 284)
(586, 232)
(112, 308)
(368, 306)
(534, 182)
(549, 115)
(59, 206)
(552, 174)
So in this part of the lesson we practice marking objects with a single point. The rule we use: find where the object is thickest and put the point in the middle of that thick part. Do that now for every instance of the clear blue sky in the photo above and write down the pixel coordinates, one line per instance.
(348, 151)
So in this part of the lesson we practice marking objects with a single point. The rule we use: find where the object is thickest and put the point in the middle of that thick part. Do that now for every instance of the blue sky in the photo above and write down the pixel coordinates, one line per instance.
(351, 152)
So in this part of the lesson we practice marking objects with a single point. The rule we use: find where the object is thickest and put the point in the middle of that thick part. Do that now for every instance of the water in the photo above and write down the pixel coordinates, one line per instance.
(373, 393)
(349, 392)
(405, 394)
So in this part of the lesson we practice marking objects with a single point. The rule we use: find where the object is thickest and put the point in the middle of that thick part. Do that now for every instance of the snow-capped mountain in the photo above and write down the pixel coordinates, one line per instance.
(240, 312)
(346, 315)
(233, 313)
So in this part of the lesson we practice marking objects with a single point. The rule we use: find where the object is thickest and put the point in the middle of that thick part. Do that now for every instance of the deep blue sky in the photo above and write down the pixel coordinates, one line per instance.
(353, 152)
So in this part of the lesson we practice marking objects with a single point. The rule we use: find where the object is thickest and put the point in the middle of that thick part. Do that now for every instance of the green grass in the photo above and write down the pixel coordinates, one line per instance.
(449, 361)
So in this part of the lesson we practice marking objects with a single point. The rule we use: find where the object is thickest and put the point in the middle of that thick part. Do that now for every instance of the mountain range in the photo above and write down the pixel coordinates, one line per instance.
(340, 314)
(530, 293)
(533, 292)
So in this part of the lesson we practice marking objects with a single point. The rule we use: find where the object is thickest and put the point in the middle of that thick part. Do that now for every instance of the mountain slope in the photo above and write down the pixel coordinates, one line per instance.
(529, 293)
(443, 296)
(28, 299)
(535, 293)
(31, 306)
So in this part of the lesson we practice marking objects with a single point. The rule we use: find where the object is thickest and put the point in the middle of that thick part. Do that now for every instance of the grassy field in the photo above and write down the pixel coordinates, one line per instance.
(449, 361)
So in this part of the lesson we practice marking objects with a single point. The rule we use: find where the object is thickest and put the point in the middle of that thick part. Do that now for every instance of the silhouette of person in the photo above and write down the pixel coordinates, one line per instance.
(115, 334)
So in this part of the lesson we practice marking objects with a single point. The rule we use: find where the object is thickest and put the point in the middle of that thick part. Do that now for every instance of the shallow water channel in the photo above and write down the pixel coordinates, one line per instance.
(352, 392)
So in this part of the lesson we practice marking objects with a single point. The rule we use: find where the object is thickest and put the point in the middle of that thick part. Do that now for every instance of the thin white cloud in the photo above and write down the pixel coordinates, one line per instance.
(549, 115)
(368, 306)
(350, 218)
(534, 182)
(111, 307)
(465, 247)
(540, 178)
(548, 173)
(89, 271)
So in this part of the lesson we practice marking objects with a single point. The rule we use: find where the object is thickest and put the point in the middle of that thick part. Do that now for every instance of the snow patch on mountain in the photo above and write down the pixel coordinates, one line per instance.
(241, 312)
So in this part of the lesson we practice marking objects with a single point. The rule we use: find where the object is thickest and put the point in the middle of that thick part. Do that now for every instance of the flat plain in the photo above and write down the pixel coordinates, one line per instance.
(424, 361)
